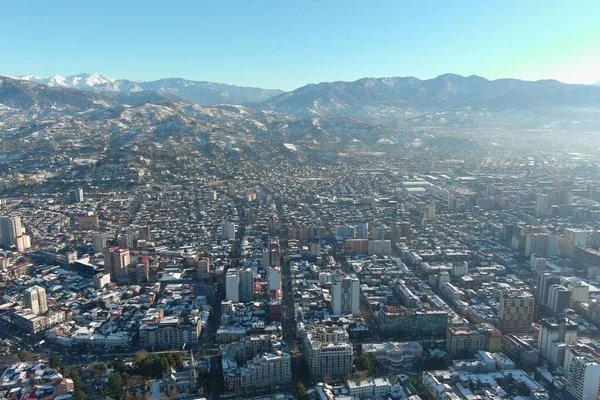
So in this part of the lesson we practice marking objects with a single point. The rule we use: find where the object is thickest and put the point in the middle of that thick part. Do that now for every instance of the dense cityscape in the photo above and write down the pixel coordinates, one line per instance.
(360, 275)
(300, 200)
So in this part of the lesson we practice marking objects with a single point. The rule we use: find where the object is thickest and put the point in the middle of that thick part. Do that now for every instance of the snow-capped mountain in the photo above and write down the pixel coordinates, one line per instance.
(79, 81)
(200, 92)
(340, 115)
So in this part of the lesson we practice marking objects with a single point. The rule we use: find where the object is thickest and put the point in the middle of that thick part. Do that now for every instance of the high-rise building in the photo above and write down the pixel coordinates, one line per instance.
(203, 267)
(23, 242)
(142, 272)
(274, 278)
(378, 233)
(516, 312)
(246, 284)
(244, 279)
(345, 294)
(537, 263)
(228, 230)
(543, 281)
(554, 337)
(430, 212)
(116, 262)
(453, 203)
(99, 242)
(327, 351)
(538, 243)
(79, 195)
(583, 372)
(232, 287)
(399, 231)
(580, 291)
(101, 280)
(573, 238)
(379, 247)
(362, 231)
(272, 254)
(345, 231)
(542, 204)
(35, 299)
(559, 298)
(10, 230)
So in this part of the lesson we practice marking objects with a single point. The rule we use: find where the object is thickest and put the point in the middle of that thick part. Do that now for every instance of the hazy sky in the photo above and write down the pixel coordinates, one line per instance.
(286, 44)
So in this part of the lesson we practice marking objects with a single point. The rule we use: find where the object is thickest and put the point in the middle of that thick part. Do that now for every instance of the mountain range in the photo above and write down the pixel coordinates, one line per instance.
(206, 93)
(62, 114)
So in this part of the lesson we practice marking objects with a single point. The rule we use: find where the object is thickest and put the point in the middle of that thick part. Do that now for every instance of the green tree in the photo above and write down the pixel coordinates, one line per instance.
(301, 390)
(115, 385)
(367, 364)
(55, 362)
(21, 354)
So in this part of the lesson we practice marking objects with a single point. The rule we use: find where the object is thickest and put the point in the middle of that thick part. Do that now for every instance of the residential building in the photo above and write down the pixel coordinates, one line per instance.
(573, 238)
(10, 230)
(228, 230)
(35, 299)
(232, 287)
(203, 268)
(582, 365)
(263, 371)
(543, 281)
(362, 231)
(379, 247)
(559, 298)
(327, 351)
(516, 312)
(537, 263)
(169, 332)
(542, 204)
(101, 280)
(472, 339)
(345, 294)
(410, 323)
(554, 336)
(99, 240)
(116, 262)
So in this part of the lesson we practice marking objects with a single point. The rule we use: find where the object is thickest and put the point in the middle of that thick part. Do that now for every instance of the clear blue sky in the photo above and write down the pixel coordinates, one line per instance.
(286, 44)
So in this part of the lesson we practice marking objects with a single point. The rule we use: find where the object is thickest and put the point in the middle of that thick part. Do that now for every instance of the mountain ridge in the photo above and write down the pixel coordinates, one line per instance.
(201, 92)
(388, 100)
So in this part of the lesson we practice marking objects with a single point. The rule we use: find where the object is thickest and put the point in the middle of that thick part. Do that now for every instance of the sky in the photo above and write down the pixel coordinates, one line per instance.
(286, 44)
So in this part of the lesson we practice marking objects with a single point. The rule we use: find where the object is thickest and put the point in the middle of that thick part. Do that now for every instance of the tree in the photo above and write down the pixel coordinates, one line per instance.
(140, 355)
(114, 388)
(119, 365)
(78, 385)
(368, 364)
(301, 390)
(21, 355)
(55, 362)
